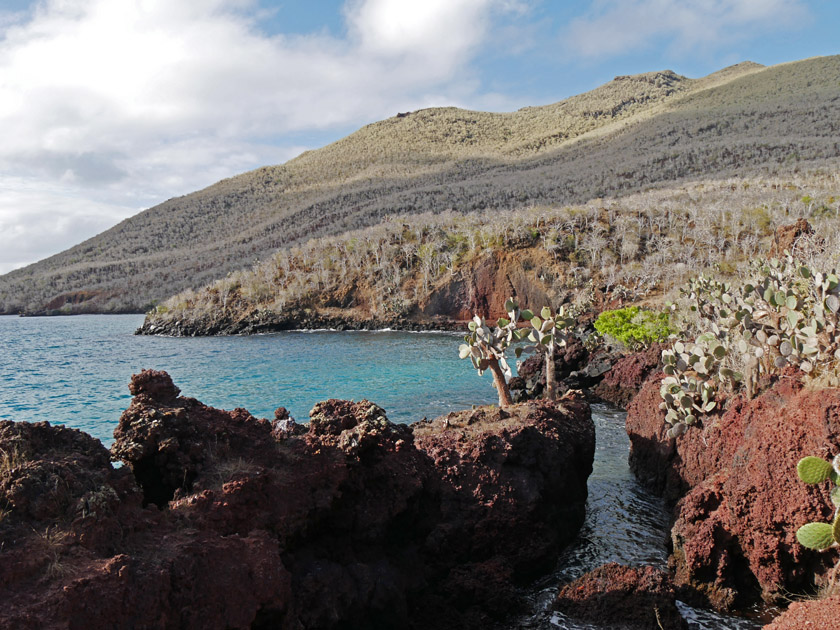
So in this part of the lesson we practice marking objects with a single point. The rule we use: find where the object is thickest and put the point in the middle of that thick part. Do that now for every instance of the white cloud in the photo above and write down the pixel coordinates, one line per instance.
(614, 27)
(116, 104)
(53, 214)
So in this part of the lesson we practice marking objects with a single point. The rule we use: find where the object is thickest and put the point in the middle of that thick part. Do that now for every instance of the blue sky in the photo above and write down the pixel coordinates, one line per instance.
(108, 107)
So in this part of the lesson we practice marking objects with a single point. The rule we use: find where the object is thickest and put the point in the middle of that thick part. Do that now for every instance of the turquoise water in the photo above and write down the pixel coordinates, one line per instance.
(75, 370)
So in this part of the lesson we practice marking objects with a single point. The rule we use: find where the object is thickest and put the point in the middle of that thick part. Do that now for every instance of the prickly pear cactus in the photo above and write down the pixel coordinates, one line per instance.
(817, 470)
(548, 332)
(486, 347)
(786, 314)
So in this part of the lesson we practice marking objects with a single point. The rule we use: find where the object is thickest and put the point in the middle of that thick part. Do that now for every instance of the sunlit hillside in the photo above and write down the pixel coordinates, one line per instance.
(635, 133)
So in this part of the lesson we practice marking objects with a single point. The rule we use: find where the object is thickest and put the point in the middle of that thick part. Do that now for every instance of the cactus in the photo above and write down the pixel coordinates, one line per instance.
(486, 348)
(813, 469)
(786, 314)
(818, 535)
(689, 387)
(548, 332)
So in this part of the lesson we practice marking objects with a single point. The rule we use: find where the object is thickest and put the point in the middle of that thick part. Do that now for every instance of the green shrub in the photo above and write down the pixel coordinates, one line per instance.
(634, 327)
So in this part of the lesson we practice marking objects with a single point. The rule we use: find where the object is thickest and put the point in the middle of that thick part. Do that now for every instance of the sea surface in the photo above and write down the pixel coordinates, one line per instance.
(75, 371)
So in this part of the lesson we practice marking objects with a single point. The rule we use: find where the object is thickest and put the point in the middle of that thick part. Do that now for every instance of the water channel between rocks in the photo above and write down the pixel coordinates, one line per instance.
(624, 523)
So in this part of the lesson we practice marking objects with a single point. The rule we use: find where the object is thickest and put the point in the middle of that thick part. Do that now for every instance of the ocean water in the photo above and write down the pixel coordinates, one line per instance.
(75, 371)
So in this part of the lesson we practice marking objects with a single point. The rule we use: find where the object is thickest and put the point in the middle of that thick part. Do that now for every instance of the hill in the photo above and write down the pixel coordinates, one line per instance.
(651, 130)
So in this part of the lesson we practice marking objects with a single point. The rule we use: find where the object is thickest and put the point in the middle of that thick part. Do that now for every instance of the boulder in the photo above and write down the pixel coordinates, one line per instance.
(622, 598)
(627, 375)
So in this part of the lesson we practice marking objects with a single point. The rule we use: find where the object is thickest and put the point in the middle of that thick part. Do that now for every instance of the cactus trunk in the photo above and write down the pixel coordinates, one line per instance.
(500, 383)
(550, 378)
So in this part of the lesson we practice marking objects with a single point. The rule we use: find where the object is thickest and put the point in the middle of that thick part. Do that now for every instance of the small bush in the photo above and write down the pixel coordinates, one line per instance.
(634, 327)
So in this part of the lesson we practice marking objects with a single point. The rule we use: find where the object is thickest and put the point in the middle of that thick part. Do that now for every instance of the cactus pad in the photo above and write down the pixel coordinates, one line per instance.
(813, 469)
(816, 535)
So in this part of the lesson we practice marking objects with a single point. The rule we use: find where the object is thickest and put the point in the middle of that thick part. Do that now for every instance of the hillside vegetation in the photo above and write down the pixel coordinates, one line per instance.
(655, 130)
(433, 269)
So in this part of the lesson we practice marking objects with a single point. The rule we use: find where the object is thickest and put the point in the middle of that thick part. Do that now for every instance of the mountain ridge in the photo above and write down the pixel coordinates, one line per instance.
(193, 239)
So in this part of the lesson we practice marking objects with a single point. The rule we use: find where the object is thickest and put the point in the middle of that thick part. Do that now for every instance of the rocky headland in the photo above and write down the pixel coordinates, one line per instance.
(221, 520)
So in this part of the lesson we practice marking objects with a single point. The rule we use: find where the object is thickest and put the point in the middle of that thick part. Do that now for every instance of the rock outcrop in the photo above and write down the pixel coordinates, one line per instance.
(740, 501)
(818, 613)
(570, 365)
(622, 598)
(627, 375)
(222, 520)
(786, 236)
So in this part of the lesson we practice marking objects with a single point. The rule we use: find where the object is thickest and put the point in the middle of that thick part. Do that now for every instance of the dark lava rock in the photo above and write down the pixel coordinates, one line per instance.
(740, 500)
(627, 375)
(354, 522)
(622, 598)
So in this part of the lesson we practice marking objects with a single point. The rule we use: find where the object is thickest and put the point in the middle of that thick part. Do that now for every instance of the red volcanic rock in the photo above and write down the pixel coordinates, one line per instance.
(513, 481)
(622, 598)
(168, 441)
(734, 535)
(816, 614)
(57, 491)
(483, 286)
(628, 374)
(786, 236)
(349, 524)
(156, 385)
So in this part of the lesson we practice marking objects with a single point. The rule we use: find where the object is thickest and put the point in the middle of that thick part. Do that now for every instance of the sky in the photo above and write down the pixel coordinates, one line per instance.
(108, 107)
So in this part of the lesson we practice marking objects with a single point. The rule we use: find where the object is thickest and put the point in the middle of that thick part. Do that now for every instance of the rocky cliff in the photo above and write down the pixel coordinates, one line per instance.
(221, 520)
(738, 499)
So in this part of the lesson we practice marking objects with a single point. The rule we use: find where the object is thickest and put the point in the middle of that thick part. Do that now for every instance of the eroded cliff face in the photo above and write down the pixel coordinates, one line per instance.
(476, 286)
(222, 520)
(739, 500)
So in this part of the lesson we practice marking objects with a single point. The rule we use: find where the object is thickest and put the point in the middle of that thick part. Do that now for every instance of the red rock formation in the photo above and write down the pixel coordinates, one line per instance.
(628, 374)
(483, 286)
(622, 598)
(513, 481)
(786, 236)
(734, 535)
(817, 614)
(355, 523)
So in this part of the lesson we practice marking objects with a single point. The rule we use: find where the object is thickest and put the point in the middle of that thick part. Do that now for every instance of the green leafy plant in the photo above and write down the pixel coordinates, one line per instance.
(635, 328)
(813, 470)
